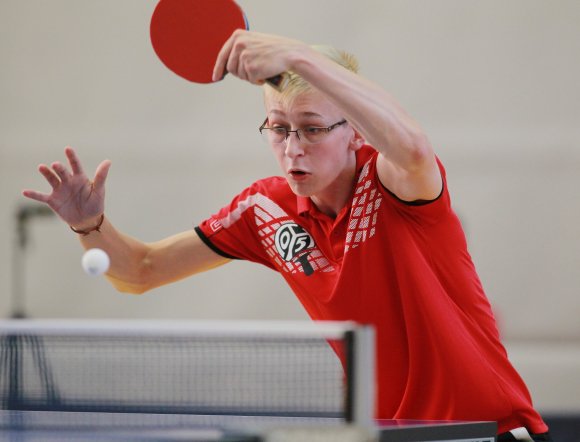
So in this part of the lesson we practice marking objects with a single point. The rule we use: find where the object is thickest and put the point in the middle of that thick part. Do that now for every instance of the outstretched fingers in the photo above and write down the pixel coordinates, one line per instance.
(73, 160)
(37, 196)
(50, 176)
(74, 197)
(52, 179)
(61, 172)
(101, 175)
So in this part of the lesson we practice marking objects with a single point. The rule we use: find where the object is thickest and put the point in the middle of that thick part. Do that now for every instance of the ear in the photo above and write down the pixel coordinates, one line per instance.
(357, 140)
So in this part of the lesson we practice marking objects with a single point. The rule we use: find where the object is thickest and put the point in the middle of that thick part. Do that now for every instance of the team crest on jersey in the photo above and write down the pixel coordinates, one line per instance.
(293, 243)
(290, 248)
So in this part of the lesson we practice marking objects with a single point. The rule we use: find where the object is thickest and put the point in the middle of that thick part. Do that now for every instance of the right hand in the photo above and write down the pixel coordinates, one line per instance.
(74, 197)
(253, 56)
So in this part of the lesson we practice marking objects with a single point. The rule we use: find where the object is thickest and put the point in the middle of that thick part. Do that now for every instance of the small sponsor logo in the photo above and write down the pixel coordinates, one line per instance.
(215, 226)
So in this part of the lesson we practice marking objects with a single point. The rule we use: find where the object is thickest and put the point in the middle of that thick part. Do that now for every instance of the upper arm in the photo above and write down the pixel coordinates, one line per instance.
(423, 182)
(175, 258)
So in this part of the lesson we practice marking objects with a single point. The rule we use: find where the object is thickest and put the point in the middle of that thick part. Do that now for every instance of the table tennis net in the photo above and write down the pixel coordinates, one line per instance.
(178, 368)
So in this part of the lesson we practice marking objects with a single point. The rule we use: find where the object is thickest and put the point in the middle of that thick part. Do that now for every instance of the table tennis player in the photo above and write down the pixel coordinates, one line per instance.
(359, 224)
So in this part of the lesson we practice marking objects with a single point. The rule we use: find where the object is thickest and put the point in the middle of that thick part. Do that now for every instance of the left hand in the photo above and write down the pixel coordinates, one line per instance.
(254, 57)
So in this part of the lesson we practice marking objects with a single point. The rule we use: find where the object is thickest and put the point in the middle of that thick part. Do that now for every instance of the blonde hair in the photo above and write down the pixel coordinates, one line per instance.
(297, 85)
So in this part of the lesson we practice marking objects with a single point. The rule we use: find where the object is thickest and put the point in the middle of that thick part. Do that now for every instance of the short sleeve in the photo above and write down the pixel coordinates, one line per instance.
(232, 232)
(427, 212)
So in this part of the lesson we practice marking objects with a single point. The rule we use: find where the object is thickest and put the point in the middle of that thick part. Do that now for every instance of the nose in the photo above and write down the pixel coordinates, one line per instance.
(294, 147)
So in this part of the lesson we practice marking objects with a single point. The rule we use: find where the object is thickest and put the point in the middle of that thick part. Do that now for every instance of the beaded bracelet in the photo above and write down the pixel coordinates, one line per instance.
(96, 228)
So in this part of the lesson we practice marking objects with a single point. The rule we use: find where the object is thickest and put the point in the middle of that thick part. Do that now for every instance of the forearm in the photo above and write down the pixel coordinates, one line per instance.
(128, 271)
(137, 266)
(369, 108)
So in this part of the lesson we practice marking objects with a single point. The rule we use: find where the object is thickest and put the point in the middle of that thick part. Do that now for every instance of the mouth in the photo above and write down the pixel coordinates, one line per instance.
(298, 174)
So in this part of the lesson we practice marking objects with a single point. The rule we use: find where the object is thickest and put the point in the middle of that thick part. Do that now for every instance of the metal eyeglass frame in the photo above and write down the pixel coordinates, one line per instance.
(304, 139)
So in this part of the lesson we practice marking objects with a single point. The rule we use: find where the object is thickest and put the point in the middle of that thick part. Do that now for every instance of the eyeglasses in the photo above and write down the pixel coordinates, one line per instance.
(308, 134)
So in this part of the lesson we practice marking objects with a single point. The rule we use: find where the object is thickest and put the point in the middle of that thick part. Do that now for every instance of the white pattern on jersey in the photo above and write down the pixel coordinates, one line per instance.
(269, 217)
(363, 216)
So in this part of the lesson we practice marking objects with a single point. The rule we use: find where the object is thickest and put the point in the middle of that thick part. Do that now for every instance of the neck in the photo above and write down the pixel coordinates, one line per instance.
(332, 200)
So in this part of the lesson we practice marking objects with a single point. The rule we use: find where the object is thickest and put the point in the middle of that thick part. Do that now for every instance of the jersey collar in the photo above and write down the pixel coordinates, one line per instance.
(304, 204)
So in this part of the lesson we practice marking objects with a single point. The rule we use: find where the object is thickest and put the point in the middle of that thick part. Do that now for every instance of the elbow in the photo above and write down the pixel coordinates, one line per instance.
(139, 282)
(134, 289)
(131, 288)
(406, 145)
(420, 152)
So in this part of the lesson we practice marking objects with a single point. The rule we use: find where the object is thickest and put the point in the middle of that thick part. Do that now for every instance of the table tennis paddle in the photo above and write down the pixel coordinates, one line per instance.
(187, 35)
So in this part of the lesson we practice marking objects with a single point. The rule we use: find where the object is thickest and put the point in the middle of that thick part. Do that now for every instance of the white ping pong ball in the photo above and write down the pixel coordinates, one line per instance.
(95, 262)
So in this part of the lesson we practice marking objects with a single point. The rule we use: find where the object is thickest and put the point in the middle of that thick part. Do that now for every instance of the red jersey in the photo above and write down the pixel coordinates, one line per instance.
(399, 266)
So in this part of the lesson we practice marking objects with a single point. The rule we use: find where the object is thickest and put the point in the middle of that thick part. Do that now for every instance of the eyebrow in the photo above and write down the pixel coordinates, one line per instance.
(301, 114)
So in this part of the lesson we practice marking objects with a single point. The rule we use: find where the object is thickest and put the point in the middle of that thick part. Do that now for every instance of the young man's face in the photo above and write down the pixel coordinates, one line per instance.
(313, 169)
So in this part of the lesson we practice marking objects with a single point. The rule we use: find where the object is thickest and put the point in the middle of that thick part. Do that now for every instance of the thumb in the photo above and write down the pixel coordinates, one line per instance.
(101, 175)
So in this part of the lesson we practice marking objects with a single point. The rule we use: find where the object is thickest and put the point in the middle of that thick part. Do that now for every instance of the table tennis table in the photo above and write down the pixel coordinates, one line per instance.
(48, 426)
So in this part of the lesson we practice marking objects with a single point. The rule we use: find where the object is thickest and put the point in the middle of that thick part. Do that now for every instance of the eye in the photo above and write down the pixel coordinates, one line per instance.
(312, 130)
(278, 130)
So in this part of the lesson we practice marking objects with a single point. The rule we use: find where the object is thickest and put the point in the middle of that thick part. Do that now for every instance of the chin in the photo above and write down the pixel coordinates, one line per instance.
(301, 190)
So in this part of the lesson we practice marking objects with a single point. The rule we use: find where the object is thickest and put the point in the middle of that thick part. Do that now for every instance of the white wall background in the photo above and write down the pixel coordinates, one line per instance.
(494, 83)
